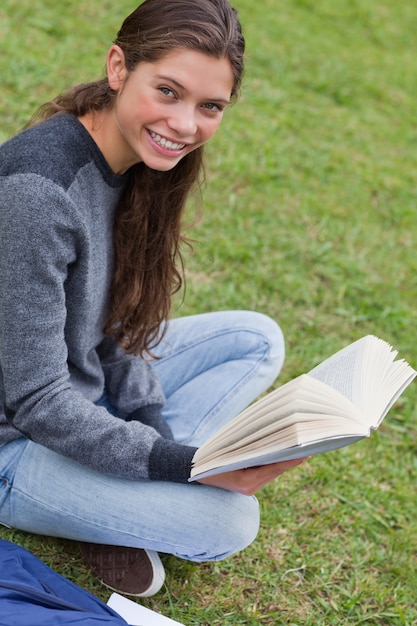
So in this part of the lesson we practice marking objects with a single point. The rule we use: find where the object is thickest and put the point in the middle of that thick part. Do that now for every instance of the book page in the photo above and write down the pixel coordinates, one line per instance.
(300, 429)
(365, 372)
(343, 371)
(264, 458)
(274, 412)
(138, 615)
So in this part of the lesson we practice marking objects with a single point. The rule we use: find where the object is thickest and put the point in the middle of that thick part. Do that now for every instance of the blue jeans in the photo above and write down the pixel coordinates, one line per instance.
(211, 367)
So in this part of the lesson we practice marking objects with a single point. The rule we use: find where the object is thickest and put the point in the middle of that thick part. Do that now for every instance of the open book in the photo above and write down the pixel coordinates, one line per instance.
(337, 403)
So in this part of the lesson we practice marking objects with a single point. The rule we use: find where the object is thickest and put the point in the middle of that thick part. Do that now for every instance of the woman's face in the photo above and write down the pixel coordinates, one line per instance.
(165, 109)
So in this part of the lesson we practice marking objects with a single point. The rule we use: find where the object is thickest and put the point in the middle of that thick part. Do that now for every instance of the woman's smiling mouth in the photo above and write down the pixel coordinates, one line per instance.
(166, 143)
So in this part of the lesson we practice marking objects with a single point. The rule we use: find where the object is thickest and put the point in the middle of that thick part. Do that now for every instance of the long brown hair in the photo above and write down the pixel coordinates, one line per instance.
(147, 234)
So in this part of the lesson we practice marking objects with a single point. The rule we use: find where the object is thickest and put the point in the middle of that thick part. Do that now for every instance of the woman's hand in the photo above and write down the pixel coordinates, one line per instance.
(249, 481)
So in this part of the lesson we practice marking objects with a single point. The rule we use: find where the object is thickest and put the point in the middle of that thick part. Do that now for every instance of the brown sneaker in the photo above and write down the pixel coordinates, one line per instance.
(131, 571)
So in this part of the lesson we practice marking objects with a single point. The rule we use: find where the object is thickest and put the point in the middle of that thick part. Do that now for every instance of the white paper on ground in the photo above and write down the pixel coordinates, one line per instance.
(137, 615)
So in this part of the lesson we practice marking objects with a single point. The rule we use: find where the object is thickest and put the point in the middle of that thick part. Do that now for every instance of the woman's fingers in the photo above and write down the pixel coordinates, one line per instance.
(249, 481)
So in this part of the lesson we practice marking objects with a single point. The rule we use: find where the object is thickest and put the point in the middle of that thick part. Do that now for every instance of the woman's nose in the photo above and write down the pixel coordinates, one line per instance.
(183, 122)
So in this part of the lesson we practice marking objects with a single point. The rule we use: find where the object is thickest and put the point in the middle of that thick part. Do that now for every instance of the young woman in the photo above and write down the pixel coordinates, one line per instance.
(103, 402)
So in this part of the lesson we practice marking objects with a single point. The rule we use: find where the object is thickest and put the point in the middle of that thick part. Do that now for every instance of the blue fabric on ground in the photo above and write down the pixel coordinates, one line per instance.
(32, 594)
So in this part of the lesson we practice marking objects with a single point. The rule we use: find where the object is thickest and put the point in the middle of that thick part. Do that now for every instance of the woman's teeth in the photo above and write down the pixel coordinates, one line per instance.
(165, 143)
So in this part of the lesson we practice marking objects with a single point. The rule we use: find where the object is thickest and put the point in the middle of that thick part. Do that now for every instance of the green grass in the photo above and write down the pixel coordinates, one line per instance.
(309, 217)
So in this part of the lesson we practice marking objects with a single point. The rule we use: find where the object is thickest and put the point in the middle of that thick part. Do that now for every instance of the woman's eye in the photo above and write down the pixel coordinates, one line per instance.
(167, 92)
(211, 106)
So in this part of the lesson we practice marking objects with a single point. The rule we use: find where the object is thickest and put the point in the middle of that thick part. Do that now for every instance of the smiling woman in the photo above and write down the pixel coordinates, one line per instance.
(103, 399)
(162, 110)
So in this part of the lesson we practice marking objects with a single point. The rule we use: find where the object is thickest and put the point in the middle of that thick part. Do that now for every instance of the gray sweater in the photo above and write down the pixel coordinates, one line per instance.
(57, 203)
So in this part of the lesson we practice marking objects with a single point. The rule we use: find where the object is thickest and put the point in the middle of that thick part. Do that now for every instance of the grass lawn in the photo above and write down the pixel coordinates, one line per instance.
(309, 216)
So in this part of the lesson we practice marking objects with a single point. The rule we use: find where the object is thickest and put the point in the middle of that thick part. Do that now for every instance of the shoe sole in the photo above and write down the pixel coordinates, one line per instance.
(120, 569)
(158, 581)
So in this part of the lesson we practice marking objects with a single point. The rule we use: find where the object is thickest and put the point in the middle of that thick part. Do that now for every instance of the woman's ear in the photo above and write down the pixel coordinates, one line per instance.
(116, 67)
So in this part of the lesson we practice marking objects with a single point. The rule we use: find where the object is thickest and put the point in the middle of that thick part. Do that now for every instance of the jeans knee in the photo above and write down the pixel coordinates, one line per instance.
(233, 531)
(273, 337)
(240, 531)
(277, 343)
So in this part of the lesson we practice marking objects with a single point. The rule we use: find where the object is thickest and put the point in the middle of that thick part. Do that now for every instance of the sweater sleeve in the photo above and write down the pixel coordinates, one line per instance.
(131, 382)
(42, 244)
